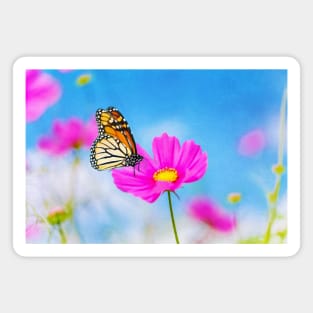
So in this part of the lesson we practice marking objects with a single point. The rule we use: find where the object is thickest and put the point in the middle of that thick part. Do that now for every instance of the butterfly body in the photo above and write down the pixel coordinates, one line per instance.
(115, 146)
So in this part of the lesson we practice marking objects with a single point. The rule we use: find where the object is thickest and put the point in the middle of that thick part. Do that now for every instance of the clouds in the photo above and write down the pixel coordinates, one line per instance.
(173, 127)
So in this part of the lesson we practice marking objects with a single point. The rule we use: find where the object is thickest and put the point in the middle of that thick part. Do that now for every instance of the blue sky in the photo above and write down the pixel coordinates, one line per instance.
(212, 107)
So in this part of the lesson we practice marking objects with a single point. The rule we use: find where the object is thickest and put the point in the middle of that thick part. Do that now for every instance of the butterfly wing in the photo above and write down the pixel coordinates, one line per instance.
(112, 122)
(115, 145)
(108, 152)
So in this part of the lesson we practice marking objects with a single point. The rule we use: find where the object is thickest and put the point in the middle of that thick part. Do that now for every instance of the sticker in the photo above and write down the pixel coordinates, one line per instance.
(156, 156)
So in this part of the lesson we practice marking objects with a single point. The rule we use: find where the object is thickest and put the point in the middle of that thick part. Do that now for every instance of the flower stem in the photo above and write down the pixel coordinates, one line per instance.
(273, 199)
(62, 234)
(172, 216)
(71, 203)
(268, 233)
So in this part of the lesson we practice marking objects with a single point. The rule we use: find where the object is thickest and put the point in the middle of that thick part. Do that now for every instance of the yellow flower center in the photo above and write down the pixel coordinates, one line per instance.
(166, 174)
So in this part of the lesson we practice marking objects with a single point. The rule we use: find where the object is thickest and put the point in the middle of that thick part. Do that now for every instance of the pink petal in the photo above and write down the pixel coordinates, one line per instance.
(32, 231)
(58, 128)
(32, 75)
(46, 143)
(147, 165)
(42, 91)
(90, 132)
(74, 131)
(192, 161)
(187, 154)
(141, 183)
(197, 170)
(51, 146)
(34, 110)
(137, 184)
(251, 143)
(68, 135)
(206, 210)
(165, 150)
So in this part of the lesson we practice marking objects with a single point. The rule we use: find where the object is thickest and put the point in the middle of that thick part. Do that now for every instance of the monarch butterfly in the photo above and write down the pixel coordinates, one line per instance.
(115, 145)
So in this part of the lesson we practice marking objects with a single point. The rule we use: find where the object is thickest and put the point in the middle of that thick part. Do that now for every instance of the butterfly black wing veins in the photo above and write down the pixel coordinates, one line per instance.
(108, 151)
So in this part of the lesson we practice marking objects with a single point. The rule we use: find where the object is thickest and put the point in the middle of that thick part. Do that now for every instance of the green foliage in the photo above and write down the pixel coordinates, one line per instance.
(252, 240)
(282, 234)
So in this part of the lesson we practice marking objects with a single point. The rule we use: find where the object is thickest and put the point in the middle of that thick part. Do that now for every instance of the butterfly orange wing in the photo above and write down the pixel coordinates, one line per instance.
(113, 123)
(115, 146)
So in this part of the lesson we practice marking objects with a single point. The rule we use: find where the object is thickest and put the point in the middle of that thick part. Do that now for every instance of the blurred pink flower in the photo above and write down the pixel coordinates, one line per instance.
(57, 215)
(171, 166)
(33, 231)
(42, 91)
(251, 143)
(72, 134)
(206, 210)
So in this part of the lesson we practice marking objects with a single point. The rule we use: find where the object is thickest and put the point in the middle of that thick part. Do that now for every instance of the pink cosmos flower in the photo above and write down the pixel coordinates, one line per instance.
(251, 143)
(72, 134)
(206, 210)
(42, 91)
(171, 166)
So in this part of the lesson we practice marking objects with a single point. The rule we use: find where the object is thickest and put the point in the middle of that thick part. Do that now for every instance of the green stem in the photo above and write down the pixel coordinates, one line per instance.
(73, 177)
(70, 205)
(273, 210)
(273, 202)
(172, 216)
(267, 236)
(62, 234)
